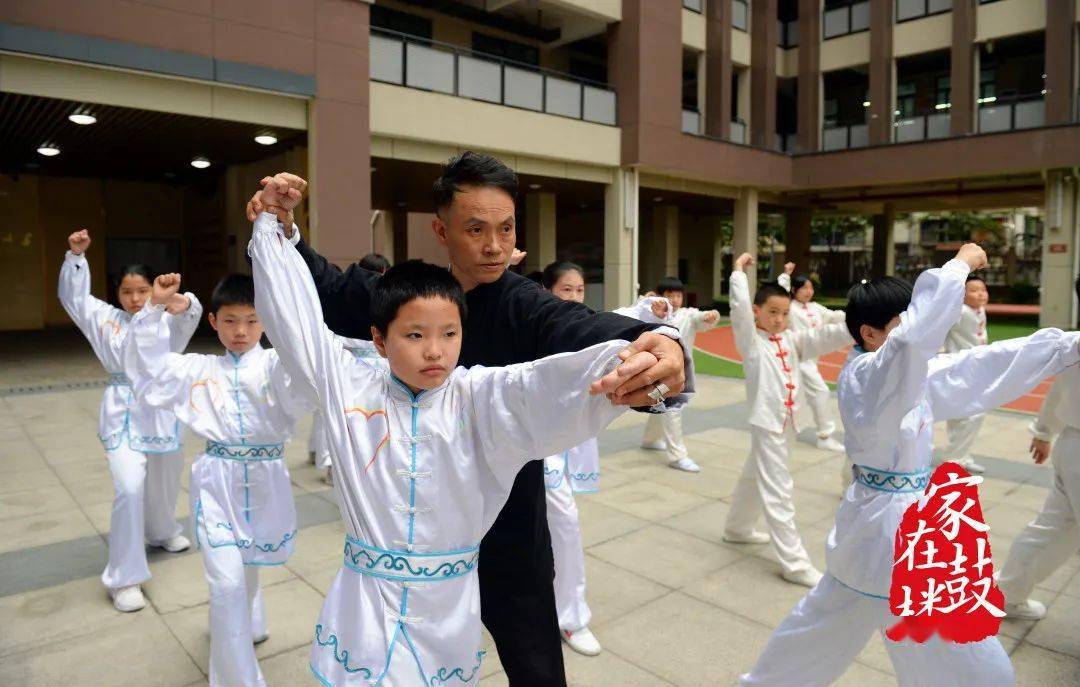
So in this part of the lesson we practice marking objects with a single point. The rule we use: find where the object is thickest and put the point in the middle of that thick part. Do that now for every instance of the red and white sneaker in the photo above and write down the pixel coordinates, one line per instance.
(582, 641)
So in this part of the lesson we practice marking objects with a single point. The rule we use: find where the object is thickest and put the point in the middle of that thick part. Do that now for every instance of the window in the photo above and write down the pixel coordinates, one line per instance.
(402, 22)
(942, 93)
(509, 50)
(987, 85)
(832, 112)
(905, 100)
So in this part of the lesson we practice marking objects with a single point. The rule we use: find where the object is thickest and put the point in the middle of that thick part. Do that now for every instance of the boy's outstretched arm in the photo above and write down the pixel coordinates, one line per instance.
(742, 310)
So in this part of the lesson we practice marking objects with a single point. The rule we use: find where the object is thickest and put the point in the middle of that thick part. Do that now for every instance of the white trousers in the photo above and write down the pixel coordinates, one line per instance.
(144, 511)
(816, 395)
(236, 616)
(828, 628)
(766, 485)
(562, 517)
(962, 435)
(1053, 537)
(667, 427)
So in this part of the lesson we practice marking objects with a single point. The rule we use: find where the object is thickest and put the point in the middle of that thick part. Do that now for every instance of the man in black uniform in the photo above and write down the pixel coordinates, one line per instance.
(510, 320)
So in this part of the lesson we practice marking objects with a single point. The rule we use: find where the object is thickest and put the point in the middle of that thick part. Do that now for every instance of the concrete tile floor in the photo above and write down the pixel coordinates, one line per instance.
(700, 618)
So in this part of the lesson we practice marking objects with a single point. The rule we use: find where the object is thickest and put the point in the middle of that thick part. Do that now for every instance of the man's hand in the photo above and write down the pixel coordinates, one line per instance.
(973, 255)
(660, 308)
(165, 287)
(743, 261)
(712, 317)
(1040, 451)
(79, 242)
(178, 303)
(517, 256)
(789, 268)
(651, 360)
(280, 194)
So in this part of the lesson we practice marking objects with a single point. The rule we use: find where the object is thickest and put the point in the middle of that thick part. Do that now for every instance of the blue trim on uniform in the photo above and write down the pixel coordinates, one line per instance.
(383, 563)
(860, 592)
(892, 482)
(442, 676)
(240, 543)
(319, 676)
(245, 452)
(343, 658)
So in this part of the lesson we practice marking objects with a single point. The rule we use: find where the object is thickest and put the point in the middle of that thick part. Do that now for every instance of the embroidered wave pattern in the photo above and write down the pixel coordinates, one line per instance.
(340, 655)
(442, 676)
(244, 452)
(401, 565)
(898, 482)
(239, 542)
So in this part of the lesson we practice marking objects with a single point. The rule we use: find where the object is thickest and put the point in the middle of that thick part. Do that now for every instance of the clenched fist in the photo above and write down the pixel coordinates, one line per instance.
(165, 287)
(280, 194)
(79, 241)
(973, 255)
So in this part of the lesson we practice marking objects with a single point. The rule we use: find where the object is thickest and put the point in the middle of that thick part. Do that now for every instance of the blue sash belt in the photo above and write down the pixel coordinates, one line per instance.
(895, 482)
(405, 566)
(245, 452)
(118, 379)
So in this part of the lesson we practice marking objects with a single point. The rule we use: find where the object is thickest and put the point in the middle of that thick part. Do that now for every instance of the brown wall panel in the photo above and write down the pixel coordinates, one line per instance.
(21, 254)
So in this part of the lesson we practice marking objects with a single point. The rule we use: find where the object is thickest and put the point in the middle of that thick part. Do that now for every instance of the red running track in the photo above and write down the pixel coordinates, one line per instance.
(720, 342)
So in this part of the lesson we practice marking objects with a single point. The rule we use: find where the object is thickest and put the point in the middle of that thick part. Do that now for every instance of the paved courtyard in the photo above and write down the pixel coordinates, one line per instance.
(672, 604)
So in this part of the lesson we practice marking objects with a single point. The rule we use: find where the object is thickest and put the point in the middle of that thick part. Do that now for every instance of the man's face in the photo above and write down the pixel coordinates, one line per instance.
(479, 234)
(238, 327)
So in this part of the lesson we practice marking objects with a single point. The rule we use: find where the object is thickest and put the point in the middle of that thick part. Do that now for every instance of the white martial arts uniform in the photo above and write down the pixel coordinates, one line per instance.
(771, 363)
(241, 498)
(888, 402)
(1053, 537)
(317, 443)
(142, 444)
(420, 477)
(968, 332)
(574, 471)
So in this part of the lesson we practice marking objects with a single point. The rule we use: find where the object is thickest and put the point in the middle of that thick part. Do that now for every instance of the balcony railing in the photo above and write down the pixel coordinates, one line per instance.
(406, 60)
(785, 143)
(693, 5)
(913, 9)
(844, 137)
(922, 127)
(691, 121)
(851, 18)
(739, 14)
(738, 131)
(1007, 114)
(787, 35)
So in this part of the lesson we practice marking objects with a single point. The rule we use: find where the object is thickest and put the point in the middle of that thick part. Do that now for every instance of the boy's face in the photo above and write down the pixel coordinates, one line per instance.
(772, 316)
(975, 294)
(423, 342)
(133, 292)
(238, 327)
(874, 338)
(676, 298)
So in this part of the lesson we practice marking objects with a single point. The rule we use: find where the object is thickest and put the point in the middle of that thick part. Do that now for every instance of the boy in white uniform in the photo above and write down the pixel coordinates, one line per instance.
(891, 389)
(771, 353)
(663, 431)
(424, 454)
(244, 405)
(142, 444)
(1053, 537)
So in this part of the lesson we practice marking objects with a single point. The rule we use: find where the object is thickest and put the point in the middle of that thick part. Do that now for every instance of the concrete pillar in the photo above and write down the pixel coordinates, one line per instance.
(382, 233)
(1060, 247)
(718, 69)
(797, 238)
(620, 239)
(666, 239)
(539, 230)
(962, 69)
(884, 255)
(808, 136)
(881, 72)
(1059, 60)
(745, 234)
(763, 37)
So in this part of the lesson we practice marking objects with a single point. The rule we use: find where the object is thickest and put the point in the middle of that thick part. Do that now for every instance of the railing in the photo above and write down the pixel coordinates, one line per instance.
(787, 35)
(850, 18)
(739, 12)
(844, 137)
(691, 121)
(913, 9)
(922, 127)
(1007, 114)
(785, 143)
(693, 5)
(406, 60)
(738, 131)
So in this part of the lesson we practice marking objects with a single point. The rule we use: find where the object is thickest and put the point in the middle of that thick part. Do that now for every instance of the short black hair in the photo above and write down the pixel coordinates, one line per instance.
(974, 276)
(767, 291)
(799, 281)
(670, 284)
(233, 289)
(135, 269)
(408, 281)
(375, 263)
(472, 169)
(554, 272)
(875, 302)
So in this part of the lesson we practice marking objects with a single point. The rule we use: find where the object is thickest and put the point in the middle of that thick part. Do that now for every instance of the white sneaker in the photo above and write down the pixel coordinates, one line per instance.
(1029, 609)
(685, 464)
(128, 599)
(829, 444)
(175, 544)
(751, 538)
(807, 577)
(259, 639)
(582, 641)
(971, 466)
(658, 445)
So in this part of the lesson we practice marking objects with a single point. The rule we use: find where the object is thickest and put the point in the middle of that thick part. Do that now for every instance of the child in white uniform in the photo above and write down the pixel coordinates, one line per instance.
(807, 314)
(142, 444)
(1053, 537)
(424, 454)
(968, 332)
(242, 508)
(663, 431)
(891, 389)
(771, 353)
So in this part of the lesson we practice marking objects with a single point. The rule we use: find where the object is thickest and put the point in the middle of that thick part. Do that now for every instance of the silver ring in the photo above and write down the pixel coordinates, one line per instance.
(658, 392)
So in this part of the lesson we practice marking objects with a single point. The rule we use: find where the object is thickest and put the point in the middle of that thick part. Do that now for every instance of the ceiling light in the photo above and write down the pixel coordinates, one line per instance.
(82, 118)
(866, 103)
(200, 162)
(534, 186)
(658, 199)
(942, 106)
(988, 99)
(49, 149)
(266, 139)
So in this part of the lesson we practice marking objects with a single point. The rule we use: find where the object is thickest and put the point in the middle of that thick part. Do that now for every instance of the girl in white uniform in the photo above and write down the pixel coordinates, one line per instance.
(243, 404)
(891, 389)
(142, 444)
(424, 454)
